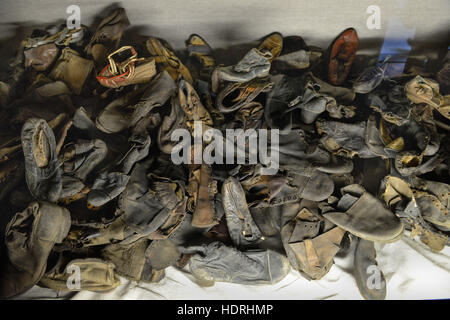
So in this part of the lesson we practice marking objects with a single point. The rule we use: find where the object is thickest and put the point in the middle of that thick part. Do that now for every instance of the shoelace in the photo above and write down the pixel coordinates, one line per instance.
(128, 65)
(374, 71)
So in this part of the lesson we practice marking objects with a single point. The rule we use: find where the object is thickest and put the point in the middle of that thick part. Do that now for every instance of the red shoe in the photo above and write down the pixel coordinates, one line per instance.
(342, 52)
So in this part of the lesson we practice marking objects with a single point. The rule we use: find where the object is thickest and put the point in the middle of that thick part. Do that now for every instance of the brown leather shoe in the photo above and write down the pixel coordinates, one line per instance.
(96, 275)
(199, 49)
(273, 43)
(311, 243)
(203, 189)
(342, 52)
(109, 31)
(41, 57)
(72, 69)
(29, 238)
(166, 59)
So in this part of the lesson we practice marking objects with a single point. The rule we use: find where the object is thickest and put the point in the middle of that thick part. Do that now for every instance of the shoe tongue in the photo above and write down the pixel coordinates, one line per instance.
(41, 149)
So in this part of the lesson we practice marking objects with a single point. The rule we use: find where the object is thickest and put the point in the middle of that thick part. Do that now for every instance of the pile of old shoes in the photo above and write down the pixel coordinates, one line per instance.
(104, 145)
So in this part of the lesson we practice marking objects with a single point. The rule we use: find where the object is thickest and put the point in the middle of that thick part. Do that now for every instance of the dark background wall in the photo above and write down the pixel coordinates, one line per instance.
(225, 22)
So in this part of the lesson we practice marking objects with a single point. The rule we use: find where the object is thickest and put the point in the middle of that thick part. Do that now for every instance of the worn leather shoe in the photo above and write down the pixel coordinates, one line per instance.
(29, 238)
(342, 52)
(42, 169)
